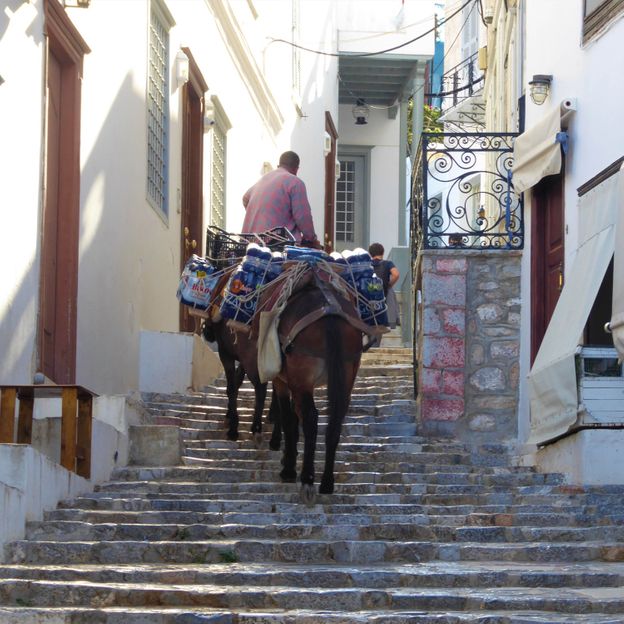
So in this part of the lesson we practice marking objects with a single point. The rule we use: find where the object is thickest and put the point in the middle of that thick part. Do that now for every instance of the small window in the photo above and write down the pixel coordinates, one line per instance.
(158, 108)
(598, 14)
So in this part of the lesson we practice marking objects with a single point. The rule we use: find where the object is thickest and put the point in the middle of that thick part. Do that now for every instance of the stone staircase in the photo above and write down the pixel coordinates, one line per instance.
(418, 530)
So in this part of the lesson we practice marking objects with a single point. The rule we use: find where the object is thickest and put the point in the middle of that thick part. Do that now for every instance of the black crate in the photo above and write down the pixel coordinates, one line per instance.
(225, 249)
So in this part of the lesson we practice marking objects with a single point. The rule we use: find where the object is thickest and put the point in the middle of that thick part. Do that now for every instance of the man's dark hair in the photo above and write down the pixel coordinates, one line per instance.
(376, 249)
(290, 160)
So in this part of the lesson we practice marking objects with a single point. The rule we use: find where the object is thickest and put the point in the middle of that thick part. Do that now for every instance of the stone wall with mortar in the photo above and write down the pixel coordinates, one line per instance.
(468, 344)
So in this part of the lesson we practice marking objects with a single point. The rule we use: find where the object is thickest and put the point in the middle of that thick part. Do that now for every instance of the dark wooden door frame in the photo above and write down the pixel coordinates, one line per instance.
(547, 254)
(330, 185)
(191, 228)
(58, 286)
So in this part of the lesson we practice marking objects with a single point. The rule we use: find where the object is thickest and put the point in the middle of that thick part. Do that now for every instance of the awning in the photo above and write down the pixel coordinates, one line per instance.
(617, 312)
(552, 380)
(537, 152)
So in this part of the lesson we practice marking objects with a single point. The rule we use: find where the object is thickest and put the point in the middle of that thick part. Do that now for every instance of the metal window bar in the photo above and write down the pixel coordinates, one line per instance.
(218, 177)
(345, 202)
(157, 114)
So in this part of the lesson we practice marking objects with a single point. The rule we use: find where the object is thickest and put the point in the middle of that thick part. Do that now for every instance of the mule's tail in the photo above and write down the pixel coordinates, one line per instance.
(337, 395)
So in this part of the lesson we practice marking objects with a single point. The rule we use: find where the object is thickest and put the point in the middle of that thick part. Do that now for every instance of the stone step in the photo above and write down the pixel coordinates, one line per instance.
(72, 531)
(420, 575)
(294, 515)
(347, 599)
(205, 615)
(395, 472)
(300, 551)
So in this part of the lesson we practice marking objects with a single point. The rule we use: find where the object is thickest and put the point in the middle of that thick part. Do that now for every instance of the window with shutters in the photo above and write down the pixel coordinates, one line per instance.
(218, 173)
(158, 108)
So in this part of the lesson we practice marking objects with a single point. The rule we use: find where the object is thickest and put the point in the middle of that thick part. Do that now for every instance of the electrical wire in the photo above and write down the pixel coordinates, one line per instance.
(364, 54)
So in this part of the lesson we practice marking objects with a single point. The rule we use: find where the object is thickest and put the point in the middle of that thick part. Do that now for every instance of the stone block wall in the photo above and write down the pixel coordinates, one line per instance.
(468, 344)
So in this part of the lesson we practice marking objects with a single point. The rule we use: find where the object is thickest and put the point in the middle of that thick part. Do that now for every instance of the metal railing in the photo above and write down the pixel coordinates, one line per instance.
(460, 82)
(463, 195)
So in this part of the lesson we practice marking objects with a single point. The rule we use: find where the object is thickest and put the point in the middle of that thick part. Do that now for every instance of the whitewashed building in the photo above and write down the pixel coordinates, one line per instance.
(112, 152)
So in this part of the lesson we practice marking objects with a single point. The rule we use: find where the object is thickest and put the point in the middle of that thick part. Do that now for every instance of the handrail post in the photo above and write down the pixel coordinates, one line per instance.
(7, 415)
(69, 428)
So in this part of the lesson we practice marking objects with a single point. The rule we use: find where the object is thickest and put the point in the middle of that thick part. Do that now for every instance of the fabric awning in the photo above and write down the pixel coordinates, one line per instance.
(617, 312)
(537, 152)
(552, 380)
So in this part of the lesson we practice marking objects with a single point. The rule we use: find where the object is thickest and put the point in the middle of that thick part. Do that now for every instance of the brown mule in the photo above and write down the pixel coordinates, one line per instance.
(320, 335)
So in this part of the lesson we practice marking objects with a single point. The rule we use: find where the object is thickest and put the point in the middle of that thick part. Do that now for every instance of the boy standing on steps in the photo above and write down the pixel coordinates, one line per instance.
(389, 275)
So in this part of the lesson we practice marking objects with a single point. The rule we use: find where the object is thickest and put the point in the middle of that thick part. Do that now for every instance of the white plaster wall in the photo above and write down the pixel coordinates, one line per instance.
(175, 363)
(21, 113)
(29, 484)
(590, 457)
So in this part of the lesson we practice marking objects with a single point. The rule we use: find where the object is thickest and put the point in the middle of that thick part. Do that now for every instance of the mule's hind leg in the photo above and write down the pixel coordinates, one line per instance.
(275, 418)
(291, 432)
(308, 415)
(234, 378)
(260, 390)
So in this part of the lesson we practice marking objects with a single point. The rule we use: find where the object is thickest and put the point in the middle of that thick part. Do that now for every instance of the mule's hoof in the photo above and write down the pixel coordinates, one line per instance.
(326, 488)
(274, 445)
(232, 435)
(287, 477)
(257, 440)
(307, 494)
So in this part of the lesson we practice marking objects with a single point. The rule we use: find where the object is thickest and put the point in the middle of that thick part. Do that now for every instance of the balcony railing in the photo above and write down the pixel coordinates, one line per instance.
(460, 82)
(463, 195)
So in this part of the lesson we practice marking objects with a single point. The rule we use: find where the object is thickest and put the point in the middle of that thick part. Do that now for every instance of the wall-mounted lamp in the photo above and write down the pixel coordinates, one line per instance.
(327, 143)
(540, 88)
(181, 68)
(360, 112)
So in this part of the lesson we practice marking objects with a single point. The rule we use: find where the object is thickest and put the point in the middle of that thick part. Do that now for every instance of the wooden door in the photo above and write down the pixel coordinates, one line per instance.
(330, 185)
(56, 344)
(192, 174)
(547, 255)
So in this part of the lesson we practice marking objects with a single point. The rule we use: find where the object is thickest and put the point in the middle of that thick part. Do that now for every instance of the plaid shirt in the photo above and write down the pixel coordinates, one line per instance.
(279, 199)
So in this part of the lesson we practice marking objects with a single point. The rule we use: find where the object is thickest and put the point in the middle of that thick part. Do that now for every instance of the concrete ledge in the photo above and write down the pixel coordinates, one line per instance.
(30, 484)
(173, 363)
(155, 445)
(588, 457)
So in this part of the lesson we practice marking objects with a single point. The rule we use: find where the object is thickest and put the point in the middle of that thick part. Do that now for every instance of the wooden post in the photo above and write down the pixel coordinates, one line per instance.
(83, 450)
(7, 415)
(24, 422)
(69, 428)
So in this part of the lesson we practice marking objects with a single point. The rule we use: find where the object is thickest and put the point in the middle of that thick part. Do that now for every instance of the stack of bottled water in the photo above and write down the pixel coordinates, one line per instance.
(361, 274)
(259, 266)
(197, 283)
(304, 253)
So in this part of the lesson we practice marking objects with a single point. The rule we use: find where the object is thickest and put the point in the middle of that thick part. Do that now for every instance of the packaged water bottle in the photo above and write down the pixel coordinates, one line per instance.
(257, 260)
(275, 266)
(196, 283)
(373, 310)
(235, 305)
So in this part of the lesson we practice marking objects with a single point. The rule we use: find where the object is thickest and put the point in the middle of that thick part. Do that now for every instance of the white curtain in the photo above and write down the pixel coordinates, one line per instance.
(537, 153)
(552, 380)
(617, 312)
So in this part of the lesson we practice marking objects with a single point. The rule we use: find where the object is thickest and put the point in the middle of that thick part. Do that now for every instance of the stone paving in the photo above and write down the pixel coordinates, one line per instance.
(419, 530)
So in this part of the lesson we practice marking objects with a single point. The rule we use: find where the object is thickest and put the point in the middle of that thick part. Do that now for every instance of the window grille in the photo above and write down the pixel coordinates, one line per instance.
(218, 176)
(158, 112)
(345, 202)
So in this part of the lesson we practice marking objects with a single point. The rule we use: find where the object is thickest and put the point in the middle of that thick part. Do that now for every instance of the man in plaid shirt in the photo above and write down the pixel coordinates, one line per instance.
(279, 199)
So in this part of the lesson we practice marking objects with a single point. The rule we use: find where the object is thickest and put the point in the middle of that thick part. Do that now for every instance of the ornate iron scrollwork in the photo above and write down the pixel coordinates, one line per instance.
(463, 195)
